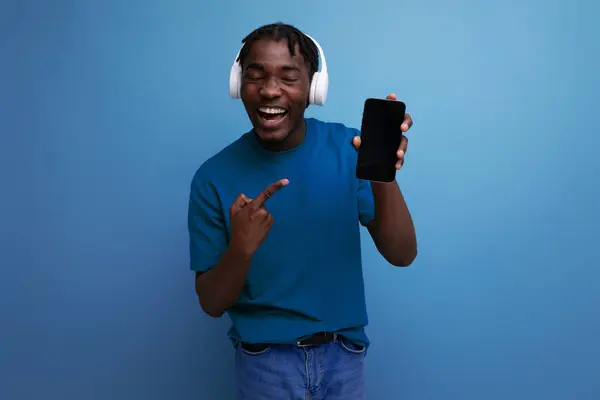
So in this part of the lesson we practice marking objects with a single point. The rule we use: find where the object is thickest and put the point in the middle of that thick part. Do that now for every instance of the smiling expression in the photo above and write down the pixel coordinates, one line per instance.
(275, 88)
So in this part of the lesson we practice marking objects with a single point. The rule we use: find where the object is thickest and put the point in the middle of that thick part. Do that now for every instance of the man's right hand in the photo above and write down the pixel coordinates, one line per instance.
(250, 220)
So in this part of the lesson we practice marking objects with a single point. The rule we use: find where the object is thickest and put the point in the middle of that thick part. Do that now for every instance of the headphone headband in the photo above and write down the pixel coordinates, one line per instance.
(319, 83)
(321, 54)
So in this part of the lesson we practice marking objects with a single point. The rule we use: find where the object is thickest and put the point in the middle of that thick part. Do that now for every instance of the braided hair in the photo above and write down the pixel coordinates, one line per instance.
(277, 32)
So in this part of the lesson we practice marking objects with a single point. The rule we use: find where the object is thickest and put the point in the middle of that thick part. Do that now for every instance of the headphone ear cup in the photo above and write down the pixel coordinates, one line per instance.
(313, 87)
(319, 88)
(235, 81)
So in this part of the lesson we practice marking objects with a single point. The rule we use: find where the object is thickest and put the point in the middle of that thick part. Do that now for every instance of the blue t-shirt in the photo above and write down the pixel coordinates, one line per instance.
(307, 275)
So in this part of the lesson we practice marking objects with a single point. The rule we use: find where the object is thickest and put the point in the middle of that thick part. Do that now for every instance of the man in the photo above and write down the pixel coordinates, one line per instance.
(275, 236)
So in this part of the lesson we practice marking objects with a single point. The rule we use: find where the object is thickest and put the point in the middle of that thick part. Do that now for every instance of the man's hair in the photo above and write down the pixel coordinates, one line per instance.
(277, 32)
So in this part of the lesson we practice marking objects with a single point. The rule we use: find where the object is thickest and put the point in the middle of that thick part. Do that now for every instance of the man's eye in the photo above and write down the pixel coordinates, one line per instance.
(253, 74)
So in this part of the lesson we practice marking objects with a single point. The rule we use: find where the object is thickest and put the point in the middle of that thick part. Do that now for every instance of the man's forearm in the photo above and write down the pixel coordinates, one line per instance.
(219, 288)
(393, 231)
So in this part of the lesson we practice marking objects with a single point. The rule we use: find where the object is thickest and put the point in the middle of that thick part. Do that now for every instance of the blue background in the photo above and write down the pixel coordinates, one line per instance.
(107, 109)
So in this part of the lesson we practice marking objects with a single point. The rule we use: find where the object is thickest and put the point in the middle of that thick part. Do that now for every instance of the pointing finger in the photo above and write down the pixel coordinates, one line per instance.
(267, 193)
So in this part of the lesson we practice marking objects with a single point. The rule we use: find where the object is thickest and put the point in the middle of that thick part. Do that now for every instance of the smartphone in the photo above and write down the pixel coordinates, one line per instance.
(380, 139)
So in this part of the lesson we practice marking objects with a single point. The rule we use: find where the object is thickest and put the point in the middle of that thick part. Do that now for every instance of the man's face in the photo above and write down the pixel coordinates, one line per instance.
(275, 89)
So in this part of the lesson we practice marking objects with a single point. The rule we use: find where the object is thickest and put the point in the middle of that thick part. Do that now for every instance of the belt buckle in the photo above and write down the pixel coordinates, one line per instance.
(302, 345)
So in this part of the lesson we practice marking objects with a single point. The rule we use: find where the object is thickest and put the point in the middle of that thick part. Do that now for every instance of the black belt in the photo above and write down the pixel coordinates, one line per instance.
(312, 340)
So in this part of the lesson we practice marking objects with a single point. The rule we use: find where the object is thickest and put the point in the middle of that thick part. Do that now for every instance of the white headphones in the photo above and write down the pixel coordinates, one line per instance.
(318, 87)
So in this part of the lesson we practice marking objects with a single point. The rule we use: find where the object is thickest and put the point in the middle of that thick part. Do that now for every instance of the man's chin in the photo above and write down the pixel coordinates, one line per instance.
(272, 136)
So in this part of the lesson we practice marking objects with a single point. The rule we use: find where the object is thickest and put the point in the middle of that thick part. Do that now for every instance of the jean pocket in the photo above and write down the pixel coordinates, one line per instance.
(254, 350)
(351, 347)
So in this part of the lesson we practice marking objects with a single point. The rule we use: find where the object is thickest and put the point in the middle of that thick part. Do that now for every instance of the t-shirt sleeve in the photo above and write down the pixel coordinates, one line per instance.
(366, 203)
(206, 225)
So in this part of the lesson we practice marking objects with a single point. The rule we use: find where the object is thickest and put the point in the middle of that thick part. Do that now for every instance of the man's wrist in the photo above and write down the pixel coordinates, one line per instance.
(383, 187)
(237, 256)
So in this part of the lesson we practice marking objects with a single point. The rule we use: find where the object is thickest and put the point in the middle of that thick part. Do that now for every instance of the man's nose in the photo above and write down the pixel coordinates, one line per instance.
(271, 88)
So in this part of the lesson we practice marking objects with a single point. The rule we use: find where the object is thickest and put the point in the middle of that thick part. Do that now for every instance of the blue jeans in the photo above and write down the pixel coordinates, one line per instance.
(333, 371)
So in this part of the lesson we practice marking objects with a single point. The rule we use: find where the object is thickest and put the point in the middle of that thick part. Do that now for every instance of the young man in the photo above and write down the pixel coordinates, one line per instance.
(275, 236)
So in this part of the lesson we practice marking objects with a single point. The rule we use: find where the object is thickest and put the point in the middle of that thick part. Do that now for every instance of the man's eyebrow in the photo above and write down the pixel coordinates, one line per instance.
(290, 68)
(287, 67)
(255, 66)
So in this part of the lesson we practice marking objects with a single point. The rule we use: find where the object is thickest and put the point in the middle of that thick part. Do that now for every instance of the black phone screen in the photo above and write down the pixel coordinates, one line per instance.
(380, 139)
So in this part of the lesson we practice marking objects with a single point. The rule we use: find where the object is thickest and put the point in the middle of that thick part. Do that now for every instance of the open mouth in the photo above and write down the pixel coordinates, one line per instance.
(272, 116)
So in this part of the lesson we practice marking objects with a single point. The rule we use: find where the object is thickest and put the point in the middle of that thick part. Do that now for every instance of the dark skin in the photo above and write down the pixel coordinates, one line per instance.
(219, 288)
(273, 78)
(393, 230)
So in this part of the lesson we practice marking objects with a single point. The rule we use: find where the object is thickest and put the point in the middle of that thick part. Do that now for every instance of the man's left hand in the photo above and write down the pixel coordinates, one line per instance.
(404, 127)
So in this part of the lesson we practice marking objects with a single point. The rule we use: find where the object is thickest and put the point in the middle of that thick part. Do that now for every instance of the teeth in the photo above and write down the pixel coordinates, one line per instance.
(269, 110)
